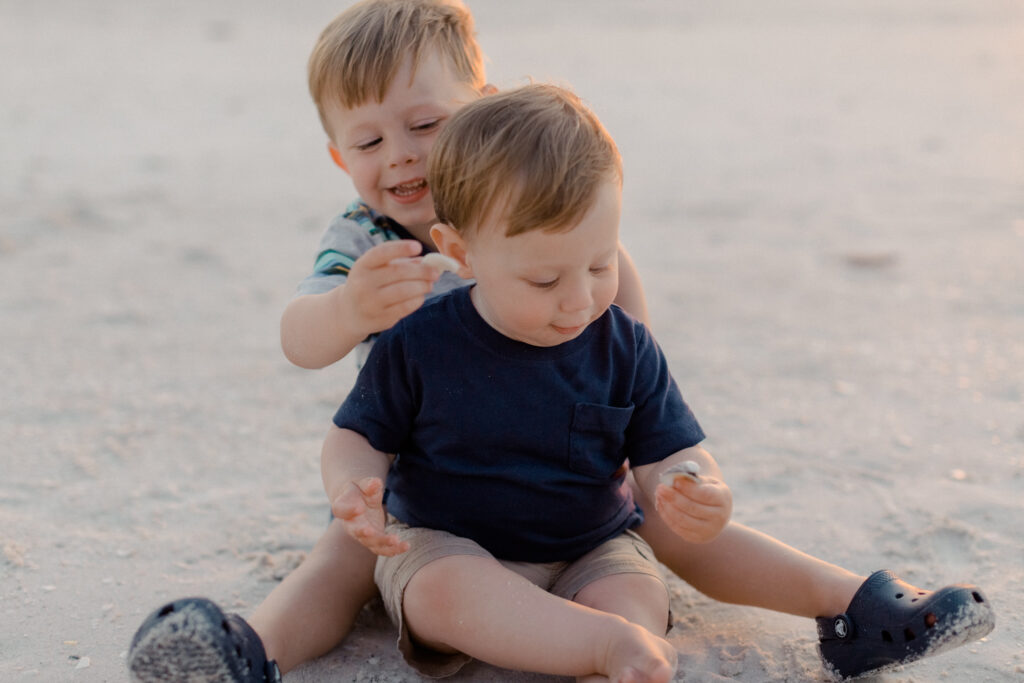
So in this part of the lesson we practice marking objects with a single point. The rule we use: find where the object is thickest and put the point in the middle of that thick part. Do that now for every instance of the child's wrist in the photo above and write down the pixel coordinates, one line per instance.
(346, 319)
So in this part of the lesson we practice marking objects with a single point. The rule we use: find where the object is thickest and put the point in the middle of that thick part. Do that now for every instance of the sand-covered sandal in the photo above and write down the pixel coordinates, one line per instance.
(193, 640)
(889, 623)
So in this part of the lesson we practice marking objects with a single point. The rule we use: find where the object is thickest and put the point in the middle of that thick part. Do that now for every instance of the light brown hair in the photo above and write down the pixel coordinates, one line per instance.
(537, 154)
(358, 54)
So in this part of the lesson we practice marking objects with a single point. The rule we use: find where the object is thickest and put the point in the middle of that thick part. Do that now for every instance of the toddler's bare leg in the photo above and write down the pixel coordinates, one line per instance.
(474, 605)
(747, 567)
(312, 610)
(639, 598)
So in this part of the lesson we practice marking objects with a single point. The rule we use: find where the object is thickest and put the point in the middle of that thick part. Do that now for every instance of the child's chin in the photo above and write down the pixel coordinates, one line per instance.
(419, 215)
(549, 340)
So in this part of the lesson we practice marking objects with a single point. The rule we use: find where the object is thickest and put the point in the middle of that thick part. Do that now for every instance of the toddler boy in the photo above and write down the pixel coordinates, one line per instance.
(502, 415)
(509, 409)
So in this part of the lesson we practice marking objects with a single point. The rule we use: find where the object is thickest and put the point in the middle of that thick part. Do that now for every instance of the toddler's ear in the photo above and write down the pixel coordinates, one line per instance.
(336, 155)
(450, 243)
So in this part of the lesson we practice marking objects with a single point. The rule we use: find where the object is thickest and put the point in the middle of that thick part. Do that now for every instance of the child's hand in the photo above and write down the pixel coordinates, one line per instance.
(386, 284)
(360, 509)
(696, 510)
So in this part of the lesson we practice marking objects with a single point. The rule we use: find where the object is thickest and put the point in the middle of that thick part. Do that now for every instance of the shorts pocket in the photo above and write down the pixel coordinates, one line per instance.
(596, 438)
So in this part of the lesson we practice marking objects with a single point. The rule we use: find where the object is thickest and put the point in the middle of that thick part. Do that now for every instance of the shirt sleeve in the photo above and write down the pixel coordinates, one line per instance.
(342, 243)
(662, 422)
(381, 404)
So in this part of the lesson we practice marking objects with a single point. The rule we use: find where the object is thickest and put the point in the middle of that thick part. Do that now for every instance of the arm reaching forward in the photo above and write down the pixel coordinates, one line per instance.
(385, 285)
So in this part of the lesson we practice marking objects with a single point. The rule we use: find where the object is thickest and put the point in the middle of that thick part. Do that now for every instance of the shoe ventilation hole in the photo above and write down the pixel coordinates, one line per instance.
(899, 595)
(170, 608)
(914, 600)
(908, 634)
(886, 636)
(930, 619)
(977, 597)
(224, 625)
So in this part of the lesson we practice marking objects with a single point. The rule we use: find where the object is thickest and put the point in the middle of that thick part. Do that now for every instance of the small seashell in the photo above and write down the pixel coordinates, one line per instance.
(687, 469)
(441, 261)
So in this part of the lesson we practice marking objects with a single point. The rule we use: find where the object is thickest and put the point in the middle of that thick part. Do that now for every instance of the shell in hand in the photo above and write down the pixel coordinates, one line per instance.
(441, 262)
(687, 469)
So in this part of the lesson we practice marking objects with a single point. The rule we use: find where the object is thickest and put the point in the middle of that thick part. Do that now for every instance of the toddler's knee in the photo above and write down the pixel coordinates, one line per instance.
(431, 588)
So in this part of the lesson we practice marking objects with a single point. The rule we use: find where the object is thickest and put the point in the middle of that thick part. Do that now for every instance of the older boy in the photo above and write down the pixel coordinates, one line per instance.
(386, 75)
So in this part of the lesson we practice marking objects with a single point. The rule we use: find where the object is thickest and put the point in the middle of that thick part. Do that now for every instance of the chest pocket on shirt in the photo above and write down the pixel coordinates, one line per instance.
(596, 438)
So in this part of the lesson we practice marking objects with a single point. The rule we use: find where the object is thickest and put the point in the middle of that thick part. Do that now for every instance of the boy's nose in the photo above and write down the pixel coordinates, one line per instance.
(577, 299)
(404, 158)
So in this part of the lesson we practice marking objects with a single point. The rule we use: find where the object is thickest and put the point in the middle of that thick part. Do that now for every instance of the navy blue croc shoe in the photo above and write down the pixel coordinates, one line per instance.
(193, 640)
(889, 623)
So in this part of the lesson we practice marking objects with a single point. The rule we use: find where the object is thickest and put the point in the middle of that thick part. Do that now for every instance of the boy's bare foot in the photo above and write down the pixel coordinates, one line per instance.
(635, 655)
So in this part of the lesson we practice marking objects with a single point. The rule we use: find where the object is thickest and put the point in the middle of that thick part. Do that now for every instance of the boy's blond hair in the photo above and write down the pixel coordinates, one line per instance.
(537, 154)
(361, 50)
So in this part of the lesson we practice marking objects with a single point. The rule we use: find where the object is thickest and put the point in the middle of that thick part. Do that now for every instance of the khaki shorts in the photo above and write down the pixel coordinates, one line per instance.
(624, 554)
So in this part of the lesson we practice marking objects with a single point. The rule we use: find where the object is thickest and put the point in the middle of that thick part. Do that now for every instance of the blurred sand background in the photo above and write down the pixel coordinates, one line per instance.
(825, 200)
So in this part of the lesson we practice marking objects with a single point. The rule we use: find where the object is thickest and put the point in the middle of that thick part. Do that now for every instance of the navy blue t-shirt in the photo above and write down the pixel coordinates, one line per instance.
(517, 447)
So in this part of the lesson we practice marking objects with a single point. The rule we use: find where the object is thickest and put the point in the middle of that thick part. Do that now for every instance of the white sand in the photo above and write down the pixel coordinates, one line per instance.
(827, 206)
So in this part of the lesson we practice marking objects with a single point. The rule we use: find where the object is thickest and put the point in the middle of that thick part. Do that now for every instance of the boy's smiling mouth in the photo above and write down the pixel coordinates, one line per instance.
(409, 191)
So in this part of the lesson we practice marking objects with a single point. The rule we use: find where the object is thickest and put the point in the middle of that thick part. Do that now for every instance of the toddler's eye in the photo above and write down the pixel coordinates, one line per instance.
(544, 285)
(597, 270)
(369, 144)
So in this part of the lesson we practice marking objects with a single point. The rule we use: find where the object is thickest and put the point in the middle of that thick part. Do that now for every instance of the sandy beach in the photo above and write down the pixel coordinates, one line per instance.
(825, 201)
